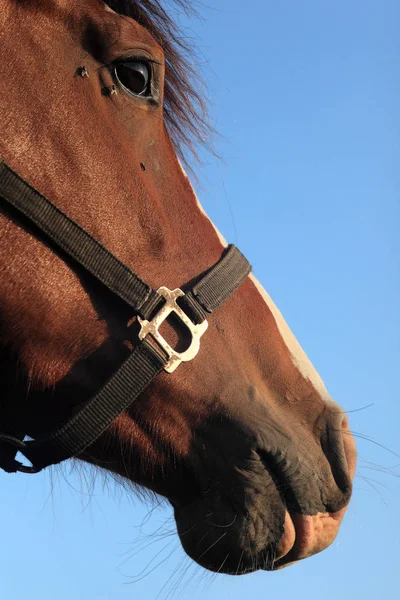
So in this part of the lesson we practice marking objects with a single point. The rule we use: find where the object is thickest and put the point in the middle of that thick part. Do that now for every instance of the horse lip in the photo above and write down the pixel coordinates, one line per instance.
(287, 541)
(315, 533)
(305, 535)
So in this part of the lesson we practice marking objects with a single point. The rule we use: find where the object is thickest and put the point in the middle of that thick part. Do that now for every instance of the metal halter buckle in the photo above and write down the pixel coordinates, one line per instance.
(152, 328)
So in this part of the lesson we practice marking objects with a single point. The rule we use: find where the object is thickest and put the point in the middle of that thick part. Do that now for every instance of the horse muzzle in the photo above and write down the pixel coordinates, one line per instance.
(271, 510)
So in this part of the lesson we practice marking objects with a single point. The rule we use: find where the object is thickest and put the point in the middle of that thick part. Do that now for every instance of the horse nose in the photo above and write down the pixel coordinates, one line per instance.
(314, 472)
(316, 529)
(339, 447)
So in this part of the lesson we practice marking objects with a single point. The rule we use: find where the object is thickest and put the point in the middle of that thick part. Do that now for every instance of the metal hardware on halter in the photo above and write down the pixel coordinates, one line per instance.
(146, 361)
(152, 328)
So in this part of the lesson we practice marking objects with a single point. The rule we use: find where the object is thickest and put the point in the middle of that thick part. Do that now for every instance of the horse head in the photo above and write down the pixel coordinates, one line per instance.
(245, 442)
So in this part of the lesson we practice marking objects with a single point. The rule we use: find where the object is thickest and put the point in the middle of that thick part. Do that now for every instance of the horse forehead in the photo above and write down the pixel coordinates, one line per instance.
(128, 26)
(127, 34)
(111, 23)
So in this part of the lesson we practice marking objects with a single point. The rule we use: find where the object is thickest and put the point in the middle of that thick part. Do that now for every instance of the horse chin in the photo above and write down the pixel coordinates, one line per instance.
(236, 524)
(235, 548)
(303, 536)
(250, 522)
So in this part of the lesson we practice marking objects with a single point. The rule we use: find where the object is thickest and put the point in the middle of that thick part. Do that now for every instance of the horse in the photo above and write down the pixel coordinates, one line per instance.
(97, 108)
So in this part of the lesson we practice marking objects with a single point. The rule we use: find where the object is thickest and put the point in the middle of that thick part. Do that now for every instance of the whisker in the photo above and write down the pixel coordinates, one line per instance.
(373, 465)
(174, 579)
(136, 579)
(224, 526)
(355, 410)
(369, 439)
(213, 544)
(222, 564)
(370, 479)
(131, 554)
(240, 560)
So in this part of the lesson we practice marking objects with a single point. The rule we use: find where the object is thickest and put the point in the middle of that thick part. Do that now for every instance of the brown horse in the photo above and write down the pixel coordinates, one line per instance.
(244, 441)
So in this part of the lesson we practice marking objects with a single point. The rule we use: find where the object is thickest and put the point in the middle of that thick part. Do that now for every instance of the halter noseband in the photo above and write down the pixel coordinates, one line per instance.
(150, 356)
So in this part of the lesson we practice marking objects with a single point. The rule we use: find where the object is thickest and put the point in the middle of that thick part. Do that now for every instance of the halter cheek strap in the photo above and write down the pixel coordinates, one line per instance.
(152, 354)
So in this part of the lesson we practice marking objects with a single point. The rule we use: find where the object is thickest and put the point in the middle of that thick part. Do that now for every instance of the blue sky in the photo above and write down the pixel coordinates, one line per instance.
(305, 96)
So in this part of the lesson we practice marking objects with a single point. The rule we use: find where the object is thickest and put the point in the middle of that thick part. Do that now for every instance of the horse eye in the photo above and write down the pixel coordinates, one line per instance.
(134, 77)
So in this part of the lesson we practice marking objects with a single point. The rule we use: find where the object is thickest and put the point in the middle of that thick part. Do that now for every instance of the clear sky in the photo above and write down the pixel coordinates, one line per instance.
(306, 96)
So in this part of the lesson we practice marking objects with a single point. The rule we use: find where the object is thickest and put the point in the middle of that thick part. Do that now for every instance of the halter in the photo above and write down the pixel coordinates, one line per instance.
(152, 354)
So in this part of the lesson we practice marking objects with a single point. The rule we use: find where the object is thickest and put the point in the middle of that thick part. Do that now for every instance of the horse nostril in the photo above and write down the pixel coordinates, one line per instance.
(335, 449)
(350, 449)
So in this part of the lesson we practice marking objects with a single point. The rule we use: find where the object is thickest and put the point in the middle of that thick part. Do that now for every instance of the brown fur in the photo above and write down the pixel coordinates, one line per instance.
(238, 429)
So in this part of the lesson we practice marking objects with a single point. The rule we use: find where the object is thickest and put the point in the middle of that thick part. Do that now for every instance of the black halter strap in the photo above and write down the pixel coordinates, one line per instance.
(150, 356)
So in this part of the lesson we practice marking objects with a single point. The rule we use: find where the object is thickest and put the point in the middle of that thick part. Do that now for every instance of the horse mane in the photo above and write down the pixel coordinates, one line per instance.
(185, 107)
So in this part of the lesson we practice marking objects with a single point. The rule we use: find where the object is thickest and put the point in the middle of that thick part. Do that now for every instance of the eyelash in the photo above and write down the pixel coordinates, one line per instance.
(131, 58)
